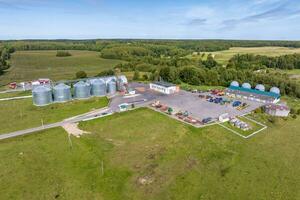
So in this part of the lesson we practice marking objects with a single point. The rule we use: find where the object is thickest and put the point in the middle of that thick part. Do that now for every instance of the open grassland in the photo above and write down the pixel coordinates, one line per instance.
(29, 65)
(143, 154)
(223, 56)
(22, 114)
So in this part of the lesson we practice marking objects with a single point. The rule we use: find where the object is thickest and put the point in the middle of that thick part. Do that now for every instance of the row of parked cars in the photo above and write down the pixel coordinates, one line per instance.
(239, 124)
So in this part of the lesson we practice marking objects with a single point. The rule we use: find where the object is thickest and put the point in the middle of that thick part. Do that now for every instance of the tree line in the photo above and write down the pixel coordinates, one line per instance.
(247, 61)
(5, 54)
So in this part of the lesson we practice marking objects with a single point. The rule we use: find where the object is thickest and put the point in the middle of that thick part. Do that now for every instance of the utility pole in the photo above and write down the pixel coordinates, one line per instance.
(102, 168)
(42, 123)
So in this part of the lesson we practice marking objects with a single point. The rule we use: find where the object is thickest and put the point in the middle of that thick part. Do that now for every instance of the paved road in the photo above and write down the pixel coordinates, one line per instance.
(16, 98)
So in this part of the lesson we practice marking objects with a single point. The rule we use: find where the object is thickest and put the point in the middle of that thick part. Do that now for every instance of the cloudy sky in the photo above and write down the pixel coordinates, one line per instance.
(173, 19)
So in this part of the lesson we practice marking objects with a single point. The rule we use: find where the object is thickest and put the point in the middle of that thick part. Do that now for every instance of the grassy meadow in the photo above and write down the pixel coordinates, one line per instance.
(29, 65)
(223, 56)
(22, 114)
(143, 154)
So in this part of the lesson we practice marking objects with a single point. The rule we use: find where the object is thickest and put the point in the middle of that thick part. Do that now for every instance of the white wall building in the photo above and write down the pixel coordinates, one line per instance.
(164, 87)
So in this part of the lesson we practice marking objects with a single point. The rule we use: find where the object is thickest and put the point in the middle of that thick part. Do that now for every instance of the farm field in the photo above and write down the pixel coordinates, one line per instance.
(223, 56)
(143, 154)
(22, 114)
(29, 65)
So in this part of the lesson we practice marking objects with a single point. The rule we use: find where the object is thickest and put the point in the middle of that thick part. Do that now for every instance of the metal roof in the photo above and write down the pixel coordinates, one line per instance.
(263, 93)
(164, 84)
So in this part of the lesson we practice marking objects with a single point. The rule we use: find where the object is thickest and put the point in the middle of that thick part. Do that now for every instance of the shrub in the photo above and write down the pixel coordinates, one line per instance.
(145, 77)
(63, 54)
(109, 72)
(272, 119)
(294, 116)
(136, 75)
(81, 74)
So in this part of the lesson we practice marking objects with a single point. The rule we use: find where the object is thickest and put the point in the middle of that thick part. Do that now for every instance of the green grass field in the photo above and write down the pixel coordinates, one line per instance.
(22, 114)
(147, 155)
(223, 56)
(29, 65)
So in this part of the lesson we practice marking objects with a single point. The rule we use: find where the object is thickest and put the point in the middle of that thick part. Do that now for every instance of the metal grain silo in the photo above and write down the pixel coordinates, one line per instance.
(62, 93)
(98, 87)
(120, 84)
(234, 84)
(82, 90)
(260, 87)
(246, 85)
(275, 90)
(41, 96)
(112, 87)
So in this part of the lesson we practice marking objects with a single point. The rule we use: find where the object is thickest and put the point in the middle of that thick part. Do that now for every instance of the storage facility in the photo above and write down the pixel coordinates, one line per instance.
(164, 87)
(98, 87)
(112, 87)
(277, 110)
(258, 94)
(82, 90)
(41, 96)
(62, 93)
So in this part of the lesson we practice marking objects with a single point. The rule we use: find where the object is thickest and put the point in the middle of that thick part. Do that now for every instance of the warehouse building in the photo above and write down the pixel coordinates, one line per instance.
(277, 110)
(164, 87)
(258, 94)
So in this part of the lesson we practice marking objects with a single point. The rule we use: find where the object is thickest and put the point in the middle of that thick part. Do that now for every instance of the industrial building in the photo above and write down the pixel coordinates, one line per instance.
(164, 87)
(258, 94)
(277, 110)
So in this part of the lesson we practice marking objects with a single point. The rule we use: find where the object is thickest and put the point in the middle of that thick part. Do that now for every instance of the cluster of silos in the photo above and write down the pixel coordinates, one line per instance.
(43, 95)
(259, 87)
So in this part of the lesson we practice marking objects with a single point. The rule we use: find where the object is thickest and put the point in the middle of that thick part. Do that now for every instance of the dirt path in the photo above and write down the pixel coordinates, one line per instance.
(72, 129)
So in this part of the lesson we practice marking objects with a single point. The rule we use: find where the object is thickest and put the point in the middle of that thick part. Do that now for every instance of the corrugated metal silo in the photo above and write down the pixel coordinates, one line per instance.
(246, 85)
(112, 87)
(82, 90)
(120, 85)
(260, 87)
(98, 87)
(62, 93)
(234, 84)
(275, 90)
(41, 96)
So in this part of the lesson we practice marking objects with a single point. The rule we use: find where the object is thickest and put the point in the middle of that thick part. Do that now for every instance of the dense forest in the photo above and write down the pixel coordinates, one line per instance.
(167, 59)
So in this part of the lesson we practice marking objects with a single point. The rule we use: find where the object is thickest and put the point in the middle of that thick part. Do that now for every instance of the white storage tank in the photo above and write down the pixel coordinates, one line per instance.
(275, 90)
(42, 96)
(235, 84)
(62, 93)
(246, 85)
(260, 87)
(82, 90)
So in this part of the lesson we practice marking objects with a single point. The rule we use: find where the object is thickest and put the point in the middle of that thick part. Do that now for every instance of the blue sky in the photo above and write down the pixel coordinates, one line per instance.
(173, 19)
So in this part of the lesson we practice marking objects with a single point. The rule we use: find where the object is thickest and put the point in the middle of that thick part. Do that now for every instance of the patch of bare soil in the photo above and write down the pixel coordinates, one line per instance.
(72, 128)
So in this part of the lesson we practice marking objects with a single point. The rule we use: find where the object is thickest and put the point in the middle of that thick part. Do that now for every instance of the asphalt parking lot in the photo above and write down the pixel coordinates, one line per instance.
(183, 101)
(200, 108)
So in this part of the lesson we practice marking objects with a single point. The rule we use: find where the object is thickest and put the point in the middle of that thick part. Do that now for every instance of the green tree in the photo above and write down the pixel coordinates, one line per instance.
(81, 74)
(136, 75)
